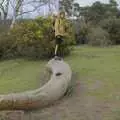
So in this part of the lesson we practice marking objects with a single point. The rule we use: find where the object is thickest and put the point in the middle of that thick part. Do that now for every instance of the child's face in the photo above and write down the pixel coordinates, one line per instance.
(62, 15)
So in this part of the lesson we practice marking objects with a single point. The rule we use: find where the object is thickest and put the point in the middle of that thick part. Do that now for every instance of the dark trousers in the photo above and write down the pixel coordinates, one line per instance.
(59, 40)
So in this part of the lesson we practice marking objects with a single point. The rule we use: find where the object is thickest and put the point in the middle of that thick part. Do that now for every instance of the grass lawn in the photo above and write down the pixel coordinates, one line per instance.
(100, 66)
(19, 75)
(98, 69)
(92, 64)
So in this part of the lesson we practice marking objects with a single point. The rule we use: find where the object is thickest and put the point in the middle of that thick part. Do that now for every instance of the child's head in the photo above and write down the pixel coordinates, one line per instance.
(62, 14)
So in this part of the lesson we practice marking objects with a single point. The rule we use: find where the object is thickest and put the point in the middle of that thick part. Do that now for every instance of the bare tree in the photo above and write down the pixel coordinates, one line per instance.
(16, 5)
(16, 8)
(0, 16)
(1, 7)
(4, 5)
(36, 4)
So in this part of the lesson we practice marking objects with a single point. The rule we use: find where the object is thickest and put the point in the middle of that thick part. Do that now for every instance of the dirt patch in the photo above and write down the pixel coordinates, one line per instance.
(12, 115)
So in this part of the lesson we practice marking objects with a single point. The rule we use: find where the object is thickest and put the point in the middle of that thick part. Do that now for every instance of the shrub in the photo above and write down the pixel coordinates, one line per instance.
(32, 38)
(4, 26)
(81, 31)
(112, 26)
(70, 38)
(6, 46)
(98, 37)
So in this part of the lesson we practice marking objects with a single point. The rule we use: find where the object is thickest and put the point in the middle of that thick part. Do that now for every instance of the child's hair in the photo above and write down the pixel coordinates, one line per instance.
(62, 12)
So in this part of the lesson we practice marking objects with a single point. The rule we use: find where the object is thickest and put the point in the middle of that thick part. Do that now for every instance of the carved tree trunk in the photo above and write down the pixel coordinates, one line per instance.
(50, 92)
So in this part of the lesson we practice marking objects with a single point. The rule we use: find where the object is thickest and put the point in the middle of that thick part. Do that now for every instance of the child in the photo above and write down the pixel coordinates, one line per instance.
(60, 30)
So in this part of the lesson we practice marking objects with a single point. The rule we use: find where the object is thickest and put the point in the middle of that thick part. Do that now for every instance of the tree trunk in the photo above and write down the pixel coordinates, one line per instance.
(16, 11)
(13, 22)
(50, 92)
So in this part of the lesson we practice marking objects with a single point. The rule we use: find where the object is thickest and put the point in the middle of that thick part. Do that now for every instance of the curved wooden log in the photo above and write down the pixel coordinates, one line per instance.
(50, 92)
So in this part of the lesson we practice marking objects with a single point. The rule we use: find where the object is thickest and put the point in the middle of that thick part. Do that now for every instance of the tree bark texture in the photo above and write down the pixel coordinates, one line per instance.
(53, 90)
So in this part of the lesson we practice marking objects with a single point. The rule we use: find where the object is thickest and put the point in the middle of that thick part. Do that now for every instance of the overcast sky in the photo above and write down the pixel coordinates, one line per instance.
(44, 10)
(89, 2)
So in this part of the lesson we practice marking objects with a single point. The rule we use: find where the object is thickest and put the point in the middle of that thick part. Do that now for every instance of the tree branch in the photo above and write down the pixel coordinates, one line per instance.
(2, 8)
(31, 10)
(2, 2)
(35, 1)
(12, 5)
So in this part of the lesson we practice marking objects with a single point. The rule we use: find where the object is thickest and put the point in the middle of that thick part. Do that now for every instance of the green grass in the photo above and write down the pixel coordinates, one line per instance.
(98, 64)
(97, 68)
(91, 64)
(19, 75)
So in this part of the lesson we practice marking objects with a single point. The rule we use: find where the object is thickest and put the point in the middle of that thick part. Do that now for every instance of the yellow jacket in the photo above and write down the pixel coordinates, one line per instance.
(60, 27)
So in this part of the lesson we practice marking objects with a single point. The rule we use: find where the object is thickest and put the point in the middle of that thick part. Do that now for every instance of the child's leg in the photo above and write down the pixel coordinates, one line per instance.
(58, 43)
(56, 49)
